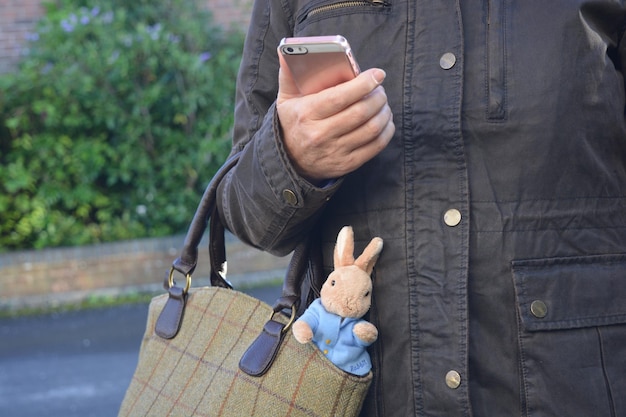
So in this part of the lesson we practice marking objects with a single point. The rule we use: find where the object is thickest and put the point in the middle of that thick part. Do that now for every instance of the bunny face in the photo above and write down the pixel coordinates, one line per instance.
(347, 292)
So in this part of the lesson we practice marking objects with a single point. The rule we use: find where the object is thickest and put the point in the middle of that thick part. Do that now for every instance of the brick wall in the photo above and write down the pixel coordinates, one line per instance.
(231, 13)
(17, 20)
(57, 275)
(19, 17)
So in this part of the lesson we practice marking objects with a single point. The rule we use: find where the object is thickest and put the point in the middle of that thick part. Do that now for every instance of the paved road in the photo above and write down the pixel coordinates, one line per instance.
(74, 364)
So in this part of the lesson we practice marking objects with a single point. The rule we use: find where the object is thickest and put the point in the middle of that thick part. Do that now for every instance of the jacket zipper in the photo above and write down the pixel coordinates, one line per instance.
(496, 60)
(345, 4)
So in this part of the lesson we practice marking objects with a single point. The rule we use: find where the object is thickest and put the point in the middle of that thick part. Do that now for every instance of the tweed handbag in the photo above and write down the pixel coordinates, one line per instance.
(214, 351)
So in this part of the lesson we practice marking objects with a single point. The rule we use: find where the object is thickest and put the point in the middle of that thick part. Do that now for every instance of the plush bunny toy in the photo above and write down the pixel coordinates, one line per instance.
(333, 321)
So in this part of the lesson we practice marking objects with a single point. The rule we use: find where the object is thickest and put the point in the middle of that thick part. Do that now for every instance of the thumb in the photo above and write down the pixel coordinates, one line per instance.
(287, 87)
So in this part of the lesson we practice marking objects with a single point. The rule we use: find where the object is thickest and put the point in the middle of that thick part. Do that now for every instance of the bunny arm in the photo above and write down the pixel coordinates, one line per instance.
(302, 331)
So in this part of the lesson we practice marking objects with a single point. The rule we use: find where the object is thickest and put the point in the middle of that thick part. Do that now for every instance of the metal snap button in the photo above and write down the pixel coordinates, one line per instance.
(453, 379)
(290, 197)
(452, 217)
(538, 309)
(447, 60)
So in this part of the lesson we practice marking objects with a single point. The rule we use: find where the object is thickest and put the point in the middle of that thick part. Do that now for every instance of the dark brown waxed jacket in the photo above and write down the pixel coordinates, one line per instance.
(501, 200)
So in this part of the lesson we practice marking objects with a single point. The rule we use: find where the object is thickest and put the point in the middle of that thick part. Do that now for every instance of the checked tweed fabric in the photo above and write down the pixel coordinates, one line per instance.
(197, 373)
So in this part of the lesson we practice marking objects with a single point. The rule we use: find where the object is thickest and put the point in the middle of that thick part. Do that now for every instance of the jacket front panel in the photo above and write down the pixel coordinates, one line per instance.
(500, 199)
(547, 183)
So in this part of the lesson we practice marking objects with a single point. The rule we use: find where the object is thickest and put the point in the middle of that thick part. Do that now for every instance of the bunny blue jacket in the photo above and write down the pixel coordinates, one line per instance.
(334, 336)
(501, 198)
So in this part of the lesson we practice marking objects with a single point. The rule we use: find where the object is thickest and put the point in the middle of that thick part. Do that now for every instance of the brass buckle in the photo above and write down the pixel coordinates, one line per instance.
(171, 282)
(291, 319)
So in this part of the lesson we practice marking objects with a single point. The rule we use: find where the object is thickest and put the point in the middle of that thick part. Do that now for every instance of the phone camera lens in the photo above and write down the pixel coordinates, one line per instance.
(290, 50)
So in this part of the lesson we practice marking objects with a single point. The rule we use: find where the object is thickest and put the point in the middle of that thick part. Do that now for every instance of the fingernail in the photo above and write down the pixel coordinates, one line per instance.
(379, 76)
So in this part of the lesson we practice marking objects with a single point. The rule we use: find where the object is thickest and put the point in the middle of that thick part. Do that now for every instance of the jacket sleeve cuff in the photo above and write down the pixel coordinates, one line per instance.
(288, 186)
(264, 201)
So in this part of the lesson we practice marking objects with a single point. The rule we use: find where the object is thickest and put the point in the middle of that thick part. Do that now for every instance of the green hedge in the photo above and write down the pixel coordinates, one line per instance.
(115, 121)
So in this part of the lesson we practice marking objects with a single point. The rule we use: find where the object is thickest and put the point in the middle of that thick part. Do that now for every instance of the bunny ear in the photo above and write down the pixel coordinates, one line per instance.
(370, 255)
(344, 250)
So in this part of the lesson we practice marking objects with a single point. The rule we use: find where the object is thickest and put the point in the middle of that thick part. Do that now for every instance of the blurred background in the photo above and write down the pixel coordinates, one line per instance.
(114, 115)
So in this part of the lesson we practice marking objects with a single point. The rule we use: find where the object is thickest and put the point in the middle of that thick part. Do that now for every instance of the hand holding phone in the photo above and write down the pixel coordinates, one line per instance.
(329, 134)
(318, 62)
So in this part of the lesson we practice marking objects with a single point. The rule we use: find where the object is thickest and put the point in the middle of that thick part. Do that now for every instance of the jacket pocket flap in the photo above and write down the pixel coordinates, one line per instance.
(568, 293)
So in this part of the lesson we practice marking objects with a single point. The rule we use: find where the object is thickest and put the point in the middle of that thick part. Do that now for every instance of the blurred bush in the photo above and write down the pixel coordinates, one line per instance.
(117, 118)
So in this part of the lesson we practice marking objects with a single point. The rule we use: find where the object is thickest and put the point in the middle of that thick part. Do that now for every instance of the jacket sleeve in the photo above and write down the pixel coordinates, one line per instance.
(608, 19)
(263, 201)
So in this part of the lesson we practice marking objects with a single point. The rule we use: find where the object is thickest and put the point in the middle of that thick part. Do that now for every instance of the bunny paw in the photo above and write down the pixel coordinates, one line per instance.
(302, 332)
(366, 332)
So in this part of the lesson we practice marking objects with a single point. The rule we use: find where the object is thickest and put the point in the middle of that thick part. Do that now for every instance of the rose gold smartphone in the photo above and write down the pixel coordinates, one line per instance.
(319, 62)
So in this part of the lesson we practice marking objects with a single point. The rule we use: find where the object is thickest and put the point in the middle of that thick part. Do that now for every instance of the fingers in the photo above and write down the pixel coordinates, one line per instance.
(325, 122)
(363, 143)
(373, 135)
(363, 116)
(336, 99)
(318, 160)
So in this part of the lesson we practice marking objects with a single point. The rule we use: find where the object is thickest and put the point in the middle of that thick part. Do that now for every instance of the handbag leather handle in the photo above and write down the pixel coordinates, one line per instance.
(207, 209)
(260, 355)
(169, 321)
(188, 260)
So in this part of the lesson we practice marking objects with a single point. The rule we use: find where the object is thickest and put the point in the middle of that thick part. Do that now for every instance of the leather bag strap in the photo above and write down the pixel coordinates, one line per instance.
(260, 355)
(170, 319)
(187, 261)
